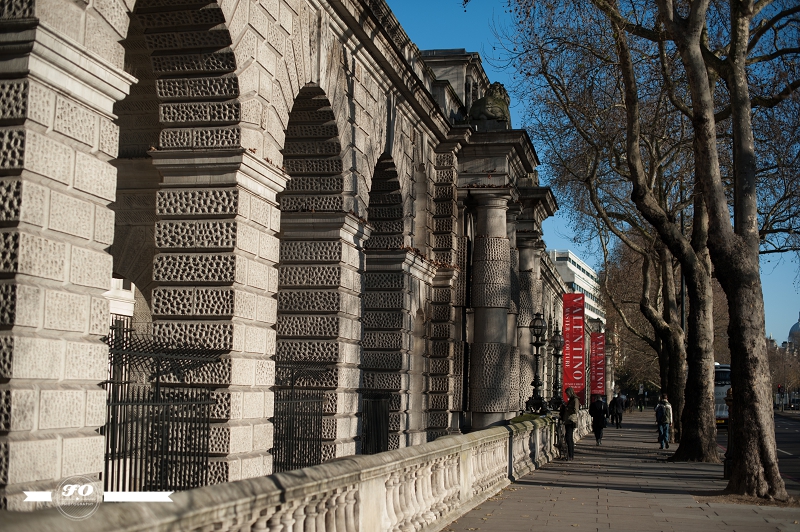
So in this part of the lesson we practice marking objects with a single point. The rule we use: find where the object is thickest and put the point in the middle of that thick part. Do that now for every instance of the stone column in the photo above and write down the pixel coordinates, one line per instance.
(530, 302)
(491, 352)
(513, 308)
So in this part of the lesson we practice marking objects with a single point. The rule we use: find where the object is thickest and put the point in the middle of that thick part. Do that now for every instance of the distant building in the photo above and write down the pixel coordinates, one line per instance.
(120, 298)
(794, 333)
(579, 277)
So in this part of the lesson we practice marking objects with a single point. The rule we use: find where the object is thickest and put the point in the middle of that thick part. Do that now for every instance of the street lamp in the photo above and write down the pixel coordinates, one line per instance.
(538, 329)
(557, 343)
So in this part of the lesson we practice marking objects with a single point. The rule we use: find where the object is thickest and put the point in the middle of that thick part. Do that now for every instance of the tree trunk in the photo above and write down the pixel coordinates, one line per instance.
(699, 438)
(673, 343)
(755, 463)
(696, 440)
(752, 428)
(735, 253)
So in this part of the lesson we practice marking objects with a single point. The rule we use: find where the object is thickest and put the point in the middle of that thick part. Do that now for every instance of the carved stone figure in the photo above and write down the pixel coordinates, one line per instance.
(493, 106)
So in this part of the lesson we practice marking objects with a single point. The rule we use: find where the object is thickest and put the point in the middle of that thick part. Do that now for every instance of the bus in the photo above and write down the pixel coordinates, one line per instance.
(722, 382)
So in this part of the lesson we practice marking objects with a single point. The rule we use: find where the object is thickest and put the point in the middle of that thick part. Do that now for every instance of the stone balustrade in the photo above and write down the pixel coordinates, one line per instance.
(419, 488)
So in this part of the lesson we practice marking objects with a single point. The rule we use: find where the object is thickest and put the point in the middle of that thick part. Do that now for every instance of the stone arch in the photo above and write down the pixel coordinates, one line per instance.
(312, 158)
(185, 97)
(81, 118)
(321, 264)
(184, 70)
(196, 236)
(387, 299)
(387, 210)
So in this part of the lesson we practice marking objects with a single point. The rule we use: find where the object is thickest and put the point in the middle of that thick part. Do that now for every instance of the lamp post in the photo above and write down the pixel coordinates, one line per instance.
(538, 329)
(557, 343)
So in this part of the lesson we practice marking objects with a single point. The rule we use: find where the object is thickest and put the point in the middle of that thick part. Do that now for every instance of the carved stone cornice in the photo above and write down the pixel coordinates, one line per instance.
(378, 32)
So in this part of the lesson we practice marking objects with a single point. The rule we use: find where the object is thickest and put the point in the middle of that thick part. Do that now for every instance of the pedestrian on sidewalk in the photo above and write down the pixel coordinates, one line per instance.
(616, 408)
(569, 415)
(664, 420)
(599, 412)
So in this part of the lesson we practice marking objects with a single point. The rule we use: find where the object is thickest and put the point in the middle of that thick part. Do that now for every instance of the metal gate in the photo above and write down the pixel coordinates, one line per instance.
(375, 423)
(157, 443)
(157, 436)
(298, 416)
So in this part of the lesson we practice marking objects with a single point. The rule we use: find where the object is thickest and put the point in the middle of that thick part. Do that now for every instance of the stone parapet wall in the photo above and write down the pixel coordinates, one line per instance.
(424, 487)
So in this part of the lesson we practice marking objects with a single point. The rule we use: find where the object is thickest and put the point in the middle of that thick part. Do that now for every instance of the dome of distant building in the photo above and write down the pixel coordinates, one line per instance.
(794, 333)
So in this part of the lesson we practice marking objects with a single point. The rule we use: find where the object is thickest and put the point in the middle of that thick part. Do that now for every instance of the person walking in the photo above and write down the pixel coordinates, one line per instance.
(599, 412)
(569, 415)
(616, 408)
(664, 420)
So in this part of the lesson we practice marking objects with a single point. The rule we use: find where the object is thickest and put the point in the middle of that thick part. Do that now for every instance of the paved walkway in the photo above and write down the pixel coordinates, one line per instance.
(623, 485)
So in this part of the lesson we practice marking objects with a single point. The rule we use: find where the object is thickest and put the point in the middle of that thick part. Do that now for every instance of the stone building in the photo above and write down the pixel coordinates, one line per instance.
(288, 181)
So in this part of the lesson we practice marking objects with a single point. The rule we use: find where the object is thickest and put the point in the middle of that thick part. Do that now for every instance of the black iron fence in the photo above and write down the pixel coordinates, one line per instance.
(375, 423)
(157, 443)
(298, 415)
(157, 435)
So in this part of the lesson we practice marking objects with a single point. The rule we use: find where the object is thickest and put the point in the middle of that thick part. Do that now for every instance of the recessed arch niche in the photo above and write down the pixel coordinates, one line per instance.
(321, 262)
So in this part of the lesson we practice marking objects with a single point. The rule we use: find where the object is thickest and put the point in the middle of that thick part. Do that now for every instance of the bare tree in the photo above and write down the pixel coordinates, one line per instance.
(719, 61)
(648, 317)
(566, 55)
(726, 65)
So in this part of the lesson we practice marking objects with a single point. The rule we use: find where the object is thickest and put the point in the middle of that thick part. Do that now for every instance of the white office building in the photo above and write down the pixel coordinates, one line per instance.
(579, 277)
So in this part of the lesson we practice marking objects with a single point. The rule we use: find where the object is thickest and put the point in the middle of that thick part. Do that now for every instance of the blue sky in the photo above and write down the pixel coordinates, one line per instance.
(445, 24)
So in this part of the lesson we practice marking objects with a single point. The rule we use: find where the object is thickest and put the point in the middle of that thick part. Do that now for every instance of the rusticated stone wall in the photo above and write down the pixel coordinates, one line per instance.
(279, 182)
(57, 139)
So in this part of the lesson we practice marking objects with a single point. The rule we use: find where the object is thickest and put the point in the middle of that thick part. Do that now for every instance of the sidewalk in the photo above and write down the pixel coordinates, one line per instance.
(623, 485)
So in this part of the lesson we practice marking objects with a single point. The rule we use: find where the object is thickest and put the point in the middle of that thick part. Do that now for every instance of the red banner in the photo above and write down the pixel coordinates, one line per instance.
(597, 361)
(574, 351)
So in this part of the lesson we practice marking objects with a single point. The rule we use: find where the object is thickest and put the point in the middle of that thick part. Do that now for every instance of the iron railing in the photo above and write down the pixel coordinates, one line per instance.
(157, 443)
(157, 435)
(375, 423)
(298, 415)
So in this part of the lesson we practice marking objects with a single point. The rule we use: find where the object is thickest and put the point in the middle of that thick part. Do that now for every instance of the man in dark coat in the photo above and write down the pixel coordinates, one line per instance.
(616, 408)
(599, 412)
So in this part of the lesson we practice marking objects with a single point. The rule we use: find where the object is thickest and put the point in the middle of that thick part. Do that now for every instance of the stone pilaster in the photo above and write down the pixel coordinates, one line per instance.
(513, 307)
(57, 137)
(396, 345)
(216, 277)
(445, 363)
(443, 377)
(460, 316)
(491, 352)
(445, 244)
(319, 315)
